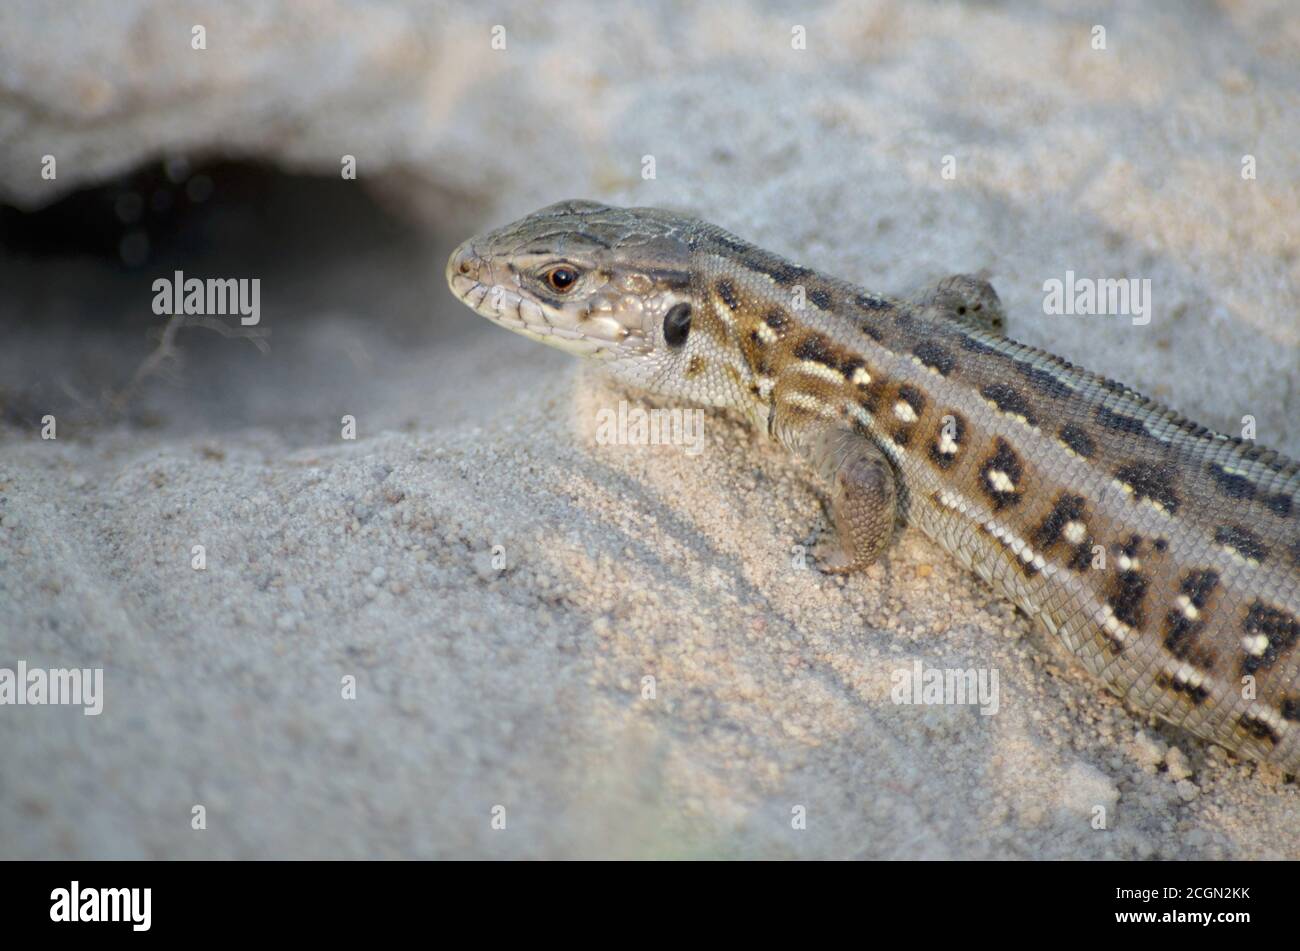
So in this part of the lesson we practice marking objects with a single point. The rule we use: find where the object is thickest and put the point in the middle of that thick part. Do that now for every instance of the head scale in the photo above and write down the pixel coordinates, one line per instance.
(596, 280)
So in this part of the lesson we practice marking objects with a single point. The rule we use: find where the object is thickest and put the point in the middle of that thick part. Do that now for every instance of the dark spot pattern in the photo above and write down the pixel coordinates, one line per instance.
(1121, 423)
(912, 397)
(727, 291)
(975, 346)
(1068, 508)
(1180, 630)
(1044, 380)
(851, 366)
(1279, 505)
(782, 272)
(902, 434)
(1154, 481)
(1129, 547)
(1281, 629)
(1231, 484)
(1081, 560)
(1242, 541)
(867, 302)
(958, 436)
(871, 396)
(1198, 586)
(1196, 695)
(777, 320)
(1006, 461)
(1259, 729)
(1291, 708)
(1126, 597)
(819, 349)
(1009, 400)
(821, 298)
(1077, 438)
(935, 357)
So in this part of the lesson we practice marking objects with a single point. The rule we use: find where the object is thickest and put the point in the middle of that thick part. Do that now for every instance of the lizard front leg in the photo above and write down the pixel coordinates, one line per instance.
(862, 498)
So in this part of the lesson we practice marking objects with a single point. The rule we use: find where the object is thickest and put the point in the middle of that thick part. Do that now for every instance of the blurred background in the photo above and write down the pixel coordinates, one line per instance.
(139, 138)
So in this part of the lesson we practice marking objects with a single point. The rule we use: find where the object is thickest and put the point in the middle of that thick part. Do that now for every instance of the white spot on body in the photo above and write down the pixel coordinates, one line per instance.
(1000, 481)
(1113, 625)
(1190, 611)
(1255, 644)
(820, 370)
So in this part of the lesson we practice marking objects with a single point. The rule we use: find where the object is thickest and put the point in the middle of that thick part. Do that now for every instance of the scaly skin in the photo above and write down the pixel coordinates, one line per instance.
(1165, 557)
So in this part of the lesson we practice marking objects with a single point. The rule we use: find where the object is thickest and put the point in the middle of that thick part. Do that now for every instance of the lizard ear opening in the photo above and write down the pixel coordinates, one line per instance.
(677, 324)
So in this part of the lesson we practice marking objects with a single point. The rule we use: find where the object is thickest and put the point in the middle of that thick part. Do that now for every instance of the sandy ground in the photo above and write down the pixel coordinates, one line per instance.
(523, 687)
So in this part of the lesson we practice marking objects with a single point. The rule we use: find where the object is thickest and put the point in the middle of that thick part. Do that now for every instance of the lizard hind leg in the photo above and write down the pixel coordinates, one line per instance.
(862, 500)
(966, 298)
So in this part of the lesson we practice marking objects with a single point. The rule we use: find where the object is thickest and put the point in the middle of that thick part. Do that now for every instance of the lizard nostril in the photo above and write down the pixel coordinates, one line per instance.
(464, 262)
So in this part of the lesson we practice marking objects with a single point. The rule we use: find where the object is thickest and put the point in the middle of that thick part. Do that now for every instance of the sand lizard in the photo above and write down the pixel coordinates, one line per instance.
(1166, 557)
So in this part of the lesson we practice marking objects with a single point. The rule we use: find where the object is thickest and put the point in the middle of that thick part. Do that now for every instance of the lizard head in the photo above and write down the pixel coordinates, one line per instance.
(613, 284)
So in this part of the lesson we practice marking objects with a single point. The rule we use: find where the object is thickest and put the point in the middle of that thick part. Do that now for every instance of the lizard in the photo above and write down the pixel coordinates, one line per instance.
(1163, 555)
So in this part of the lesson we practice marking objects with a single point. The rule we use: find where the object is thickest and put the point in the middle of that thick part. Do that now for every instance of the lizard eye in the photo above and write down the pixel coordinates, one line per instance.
(561, 278)
(677, 324)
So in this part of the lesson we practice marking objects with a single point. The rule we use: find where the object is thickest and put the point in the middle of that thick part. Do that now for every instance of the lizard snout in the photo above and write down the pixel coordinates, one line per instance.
(464, 264)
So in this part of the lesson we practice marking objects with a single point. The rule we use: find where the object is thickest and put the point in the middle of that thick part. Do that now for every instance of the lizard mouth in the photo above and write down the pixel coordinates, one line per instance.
(471, 279)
